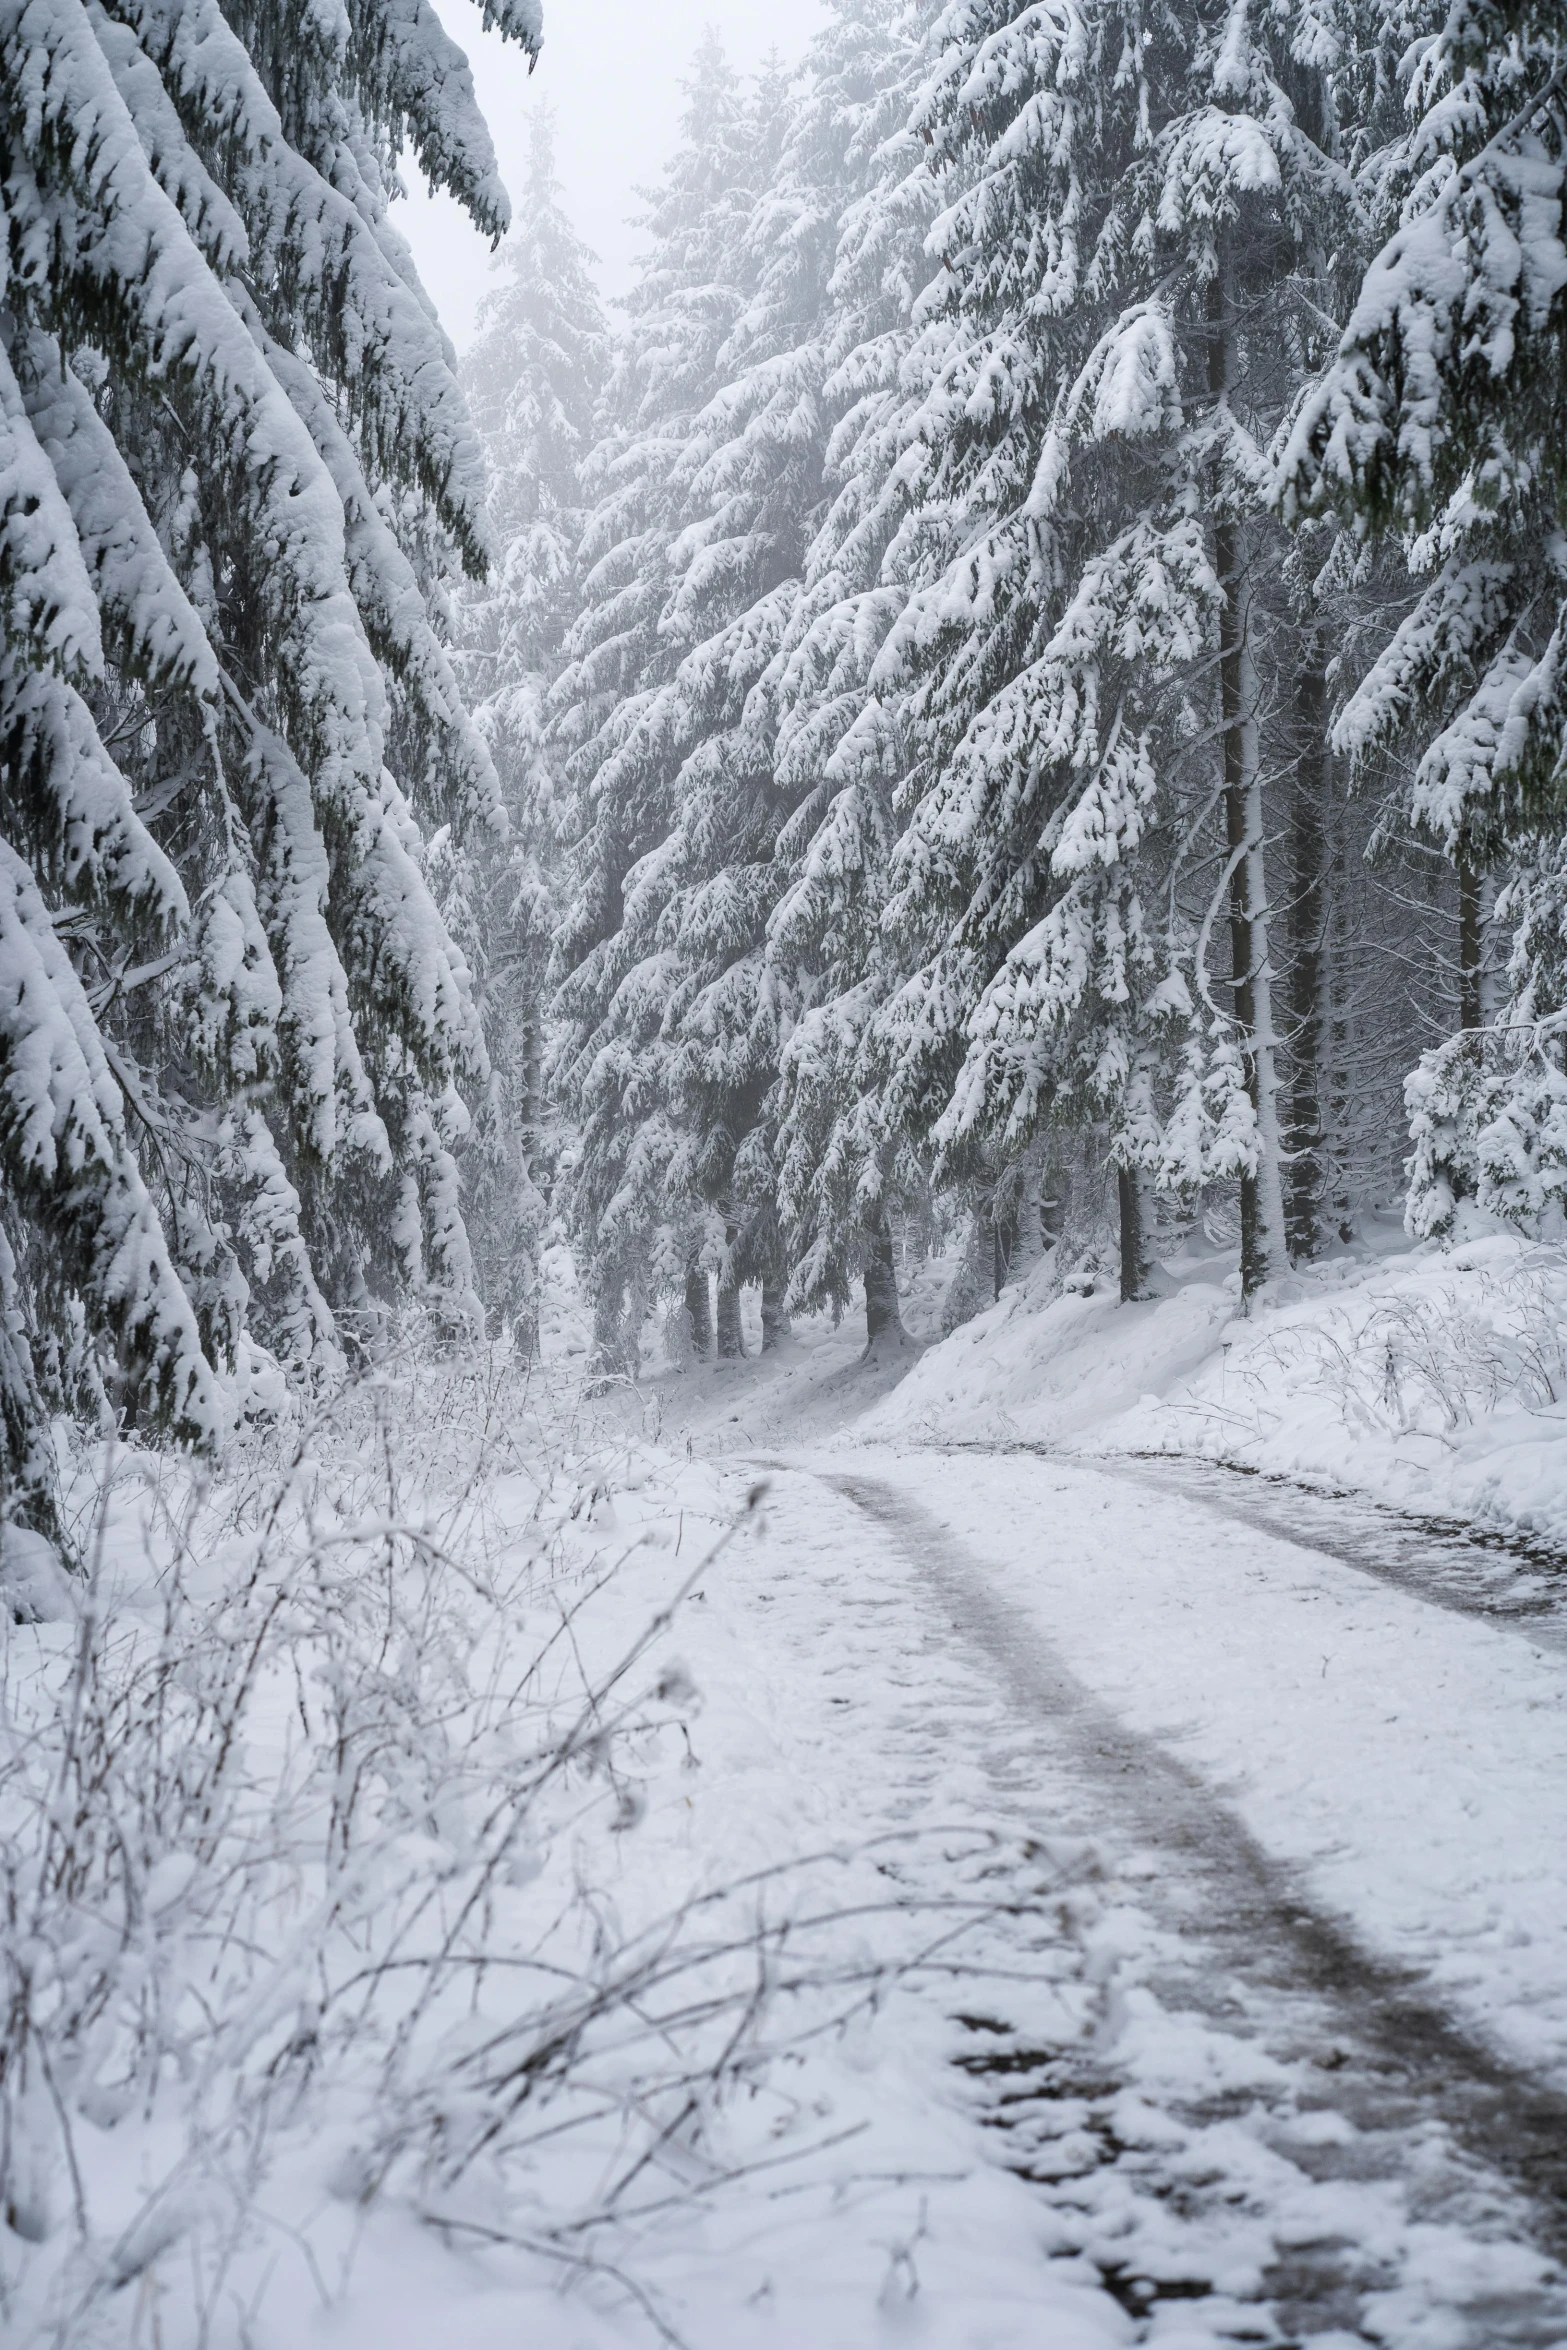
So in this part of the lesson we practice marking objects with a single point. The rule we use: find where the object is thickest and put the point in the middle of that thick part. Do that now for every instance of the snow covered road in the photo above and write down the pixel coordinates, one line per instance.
(1405, 1759)
(1281, 2031)
(1501, 1579)
(1013, 1902)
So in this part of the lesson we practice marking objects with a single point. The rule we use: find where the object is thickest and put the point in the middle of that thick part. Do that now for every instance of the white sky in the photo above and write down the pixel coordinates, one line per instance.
(612, 70)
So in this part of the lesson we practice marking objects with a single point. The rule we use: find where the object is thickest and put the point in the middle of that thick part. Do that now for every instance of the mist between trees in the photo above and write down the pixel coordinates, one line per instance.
(1015, 692)
(1029, 656)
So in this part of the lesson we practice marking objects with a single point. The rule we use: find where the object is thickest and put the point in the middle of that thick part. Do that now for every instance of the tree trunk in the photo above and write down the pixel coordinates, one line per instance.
(1335, 997)
(775, 1319)
(731, 1339)
(1262, 1202)
(883, 1320)
(1490, 976)
(533, 1088)
(611, 1357)
(1004, 1223)
(1052, 1203)
(1471, 947)
(699, 1312)
(1132, 1204)
(1303, 1135)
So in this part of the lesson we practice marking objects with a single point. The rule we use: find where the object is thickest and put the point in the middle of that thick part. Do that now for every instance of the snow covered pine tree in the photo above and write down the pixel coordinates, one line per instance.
(748, 480)
(1089, 678)
(533, 378)
(1135, 213)
(1443, 420)
(845, 1170)
(235, 464)
(637, 1229)
(751, 666)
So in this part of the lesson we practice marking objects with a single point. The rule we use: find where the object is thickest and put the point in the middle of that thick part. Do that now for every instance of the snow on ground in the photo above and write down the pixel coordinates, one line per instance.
(1188, 2139)
(1404, 1761)
(1432, 1378)
(1410, 1761)
(533, 1884)
(388, 1966)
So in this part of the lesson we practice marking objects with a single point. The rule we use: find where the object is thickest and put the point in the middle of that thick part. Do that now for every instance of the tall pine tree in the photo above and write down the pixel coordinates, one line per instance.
(845, 1167)
(1441, 421)
(753, 497)
(533, 379)
(236, 459)
(1139, 204)
(633, 1215)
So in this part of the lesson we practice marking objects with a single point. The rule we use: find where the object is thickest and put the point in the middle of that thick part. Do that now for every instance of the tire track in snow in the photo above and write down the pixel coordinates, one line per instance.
(1445, 1565)
(1396, 2060)
(1502, 1580)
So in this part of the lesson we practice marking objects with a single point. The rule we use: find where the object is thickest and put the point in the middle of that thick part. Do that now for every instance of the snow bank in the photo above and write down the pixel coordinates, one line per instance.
(1434, 1378)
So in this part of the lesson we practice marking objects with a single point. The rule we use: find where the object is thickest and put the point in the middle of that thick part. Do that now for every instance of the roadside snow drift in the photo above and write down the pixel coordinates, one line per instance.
(1432, 1378)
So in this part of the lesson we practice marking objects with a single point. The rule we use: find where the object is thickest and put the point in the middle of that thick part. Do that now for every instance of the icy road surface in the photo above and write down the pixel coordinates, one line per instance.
(1277, 2025)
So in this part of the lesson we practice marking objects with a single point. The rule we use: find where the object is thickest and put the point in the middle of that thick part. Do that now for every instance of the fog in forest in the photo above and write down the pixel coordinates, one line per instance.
(611, 72)
(783, 1175)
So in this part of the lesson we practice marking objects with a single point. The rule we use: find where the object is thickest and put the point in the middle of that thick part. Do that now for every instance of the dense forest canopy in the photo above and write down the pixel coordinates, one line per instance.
(235, 1033)
(1012, 698)
(1059, 726)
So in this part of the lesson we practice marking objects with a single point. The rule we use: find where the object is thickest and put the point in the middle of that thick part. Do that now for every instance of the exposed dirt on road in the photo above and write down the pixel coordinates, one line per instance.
(1468, 1570)
(1408, 2093)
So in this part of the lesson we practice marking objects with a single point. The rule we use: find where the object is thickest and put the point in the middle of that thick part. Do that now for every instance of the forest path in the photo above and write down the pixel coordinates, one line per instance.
(1268, 2105)
(1498, 1578)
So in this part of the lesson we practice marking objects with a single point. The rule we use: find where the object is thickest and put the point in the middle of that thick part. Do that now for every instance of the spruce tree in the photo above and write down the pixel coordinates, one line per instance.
(232, 1024)
(533, 378)
(1441, 423)
(753, 498)
(629, 1206)
(846, 1169)
(1135, 205)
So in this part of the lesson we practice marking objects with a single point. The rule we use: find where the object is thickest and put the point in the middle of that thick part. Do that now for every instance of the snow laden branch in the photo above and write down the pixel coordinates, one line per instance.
(236, 468)
(1062, 699)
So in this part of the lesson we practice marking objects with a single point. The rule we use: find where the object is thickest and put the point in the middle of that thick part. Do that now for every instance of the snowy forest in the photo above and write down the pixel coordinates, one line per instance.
(1014, 696)
(944, 827)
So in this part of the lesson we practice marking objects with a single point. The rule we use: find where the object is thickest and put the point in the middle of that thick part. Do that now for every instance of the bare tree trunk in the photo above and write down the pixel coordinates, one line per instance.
(775, 1319)
(1052, 1203)
(883, 1319)
(1262, 1202)
(1335, 997)
(1491, 974)
(1004, 1222)
(614, 1343)
(1471, 947)
(1133, 1207)
(1471, 974)
(533, 1087)
(1303, 1135)
(699, 1312)
(731, 1339)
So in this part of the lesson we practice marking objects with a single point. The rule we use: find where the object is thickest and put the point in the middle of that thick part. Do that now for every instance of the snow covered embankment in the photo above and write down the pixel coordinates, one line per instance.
(1435, 1380)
